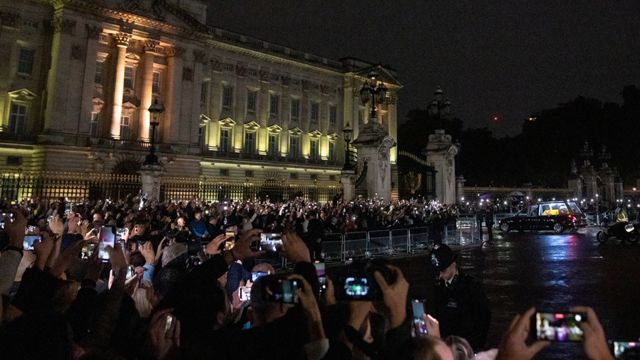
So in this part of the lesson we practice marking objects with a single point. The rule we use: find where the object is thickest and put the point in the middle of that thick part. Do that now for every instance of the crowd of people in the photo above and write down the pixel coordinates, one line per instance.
(133, 280)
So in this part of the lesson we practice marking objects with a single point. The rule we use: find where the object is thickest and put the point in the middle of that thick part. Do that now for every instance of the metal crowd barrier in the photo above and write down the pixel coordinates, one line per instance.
(395, 242)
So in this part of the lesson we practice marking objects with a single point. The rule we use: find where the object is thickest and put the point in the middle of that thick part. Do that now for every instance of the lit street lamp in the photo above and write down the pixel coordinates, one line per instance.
(155, 109)
(347, 131)
(374, 90)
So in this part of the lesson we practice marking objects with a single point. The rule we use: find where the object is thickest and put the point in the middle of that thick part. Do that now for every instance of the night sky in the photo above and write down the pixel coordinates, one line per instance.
(492, 58)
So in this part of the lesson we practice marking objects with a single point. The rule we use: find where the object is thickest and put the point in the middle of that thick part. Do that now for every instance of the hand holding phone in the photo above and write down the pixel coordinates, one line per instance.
(107, 238)
(29, 240)
(558, 326)
(419, 318)
(621, 348)
(320, 273)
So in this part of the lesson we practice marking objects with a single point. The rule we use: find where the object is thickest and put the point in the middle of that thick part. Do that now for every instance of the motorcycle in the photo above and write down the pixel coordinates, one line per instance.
(623, 231)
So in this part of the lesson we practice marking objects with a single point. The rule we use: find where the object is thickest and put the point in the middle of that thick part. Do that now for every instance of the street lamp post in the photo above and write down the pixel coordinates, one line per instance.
(597, 209)
(155, 109)
(347, 131)
(373, 90)
(439, 106)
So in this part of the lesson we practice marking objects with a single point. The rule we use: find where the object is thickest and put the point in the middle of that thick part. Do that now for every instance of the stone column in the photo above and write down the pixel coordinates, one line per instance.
(373, 145)
(348, 180)
(150, 175)
(147, 90)
(59, 76)
(88, 86)
(172, 95)
(441, 154)
(575, 187)
(122, 41)
(199, 57)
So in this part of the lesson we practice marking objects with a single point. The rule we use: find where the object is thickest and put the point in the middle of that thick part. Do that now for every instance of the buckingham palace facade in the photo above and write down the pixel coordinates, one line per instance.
(77, 78)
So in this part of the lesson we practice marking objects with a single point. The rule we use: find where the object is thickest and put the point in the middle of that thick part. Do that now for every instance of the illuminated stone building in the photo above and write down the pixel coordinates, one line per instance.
(77, 78)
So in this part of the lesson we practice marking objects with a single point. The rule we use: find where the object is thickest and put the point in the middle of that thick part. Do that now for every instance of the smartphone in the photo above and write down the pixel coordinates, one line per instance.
(419, 324)
(131, 272)
(87, 250)
(255, 275)
(620, 347)
(168, 323)
(245, 293)
(558, 326)
(320, 273)
(355, 287)
(107, 237)
(285, 291)
(270, 242)
(121, 233)
(27, 244)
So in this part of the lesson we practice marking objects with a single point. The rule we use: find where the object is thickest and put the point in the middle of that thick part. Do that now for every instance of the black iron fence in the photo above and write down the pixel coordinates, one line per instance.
(55, 185)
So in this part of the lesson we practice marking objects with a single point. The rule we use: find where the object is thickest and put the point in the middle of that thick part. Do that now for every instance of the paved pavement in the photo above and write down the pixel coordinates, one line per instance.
(549, 271)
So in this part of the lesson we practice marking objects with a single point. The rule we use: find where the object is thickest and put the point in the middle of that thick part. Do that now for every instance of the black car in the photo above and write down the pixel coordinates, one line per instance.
(550, 215)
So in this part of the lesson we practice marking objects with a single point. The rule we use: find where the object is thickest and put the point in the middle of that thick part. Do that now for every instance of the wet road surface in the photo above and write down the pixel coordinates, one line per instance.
(549, 271)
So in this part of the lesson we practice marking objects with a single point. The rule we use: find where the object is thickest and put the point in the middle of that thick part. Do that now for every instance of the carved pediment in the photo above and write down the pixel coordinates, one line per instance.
(274, 128)
(252, 125)
(315, 134)
(227, 122)
(204, 120)
(295, 131)
(383, 74)
(97, 104)
(22, 95)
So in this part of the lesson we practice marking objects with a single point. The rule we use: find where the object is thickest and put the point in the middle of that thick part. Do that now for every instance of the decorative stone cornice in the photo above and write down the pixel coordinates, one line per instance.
(199, 56)
(174, 51)
(126, 26)
(150, 45)
(121, 39)
(10, 19)
(60, 24)
(93, 31)
(264, 75)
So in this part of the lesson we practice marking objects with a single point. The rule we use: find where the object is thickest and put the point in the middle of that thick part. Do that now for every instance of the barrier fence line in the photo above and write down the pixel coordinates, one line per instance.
(338, 248)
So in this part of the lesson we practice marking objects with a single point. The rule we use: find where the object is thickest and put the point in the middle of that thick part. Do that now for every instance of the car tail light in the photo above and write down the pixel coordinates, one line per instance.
(571, 218)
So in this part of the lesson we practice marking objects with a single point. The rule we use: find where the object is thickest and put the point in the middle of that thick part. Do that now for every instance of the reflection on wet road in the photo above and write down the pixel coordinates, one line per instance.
(553, 272)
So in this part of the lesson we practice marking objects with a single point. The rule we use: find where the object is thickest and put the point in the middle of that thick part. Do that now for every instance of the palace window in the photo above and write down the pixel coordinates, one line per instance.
(227, 97)
(294, 147)
(332, 150)
(273, 145)
(313, 150)
(128, 77)
(25, 61)
(333, 115)
(17, 118)
(97, 77)
(156, 83)
(224, 140)
(295, 110)
(204, 92)
(93, 125)
(314, 112)
(252, 102)
(274, 105)
(249, 142)
(125, 128)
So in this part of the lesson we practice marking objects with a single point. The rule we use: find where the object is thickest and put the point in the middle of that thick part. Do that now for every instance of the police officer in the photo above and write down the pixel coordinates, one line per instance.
(459, 302)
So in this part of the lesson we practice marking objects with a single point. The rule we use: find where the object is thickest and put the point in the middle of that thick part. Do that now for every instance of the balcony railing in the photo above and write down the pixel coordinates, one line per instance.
(231, 155)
